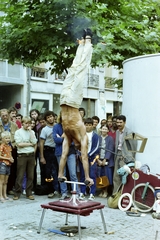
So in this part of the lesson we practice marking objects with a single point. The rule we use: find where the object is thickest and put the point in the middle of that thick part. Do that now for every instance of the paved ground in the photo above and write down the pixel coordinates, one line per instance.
(20, 219)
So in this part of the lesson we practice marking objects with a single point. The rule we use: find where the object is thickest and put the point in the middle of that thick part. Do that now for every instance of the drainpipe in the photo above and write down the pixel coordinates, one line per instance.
(28, 94)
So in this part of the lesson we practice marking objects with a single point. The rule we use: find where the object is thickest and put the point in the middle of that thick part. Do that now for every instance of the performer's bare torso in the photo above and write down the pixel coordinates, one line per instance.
(73, 125)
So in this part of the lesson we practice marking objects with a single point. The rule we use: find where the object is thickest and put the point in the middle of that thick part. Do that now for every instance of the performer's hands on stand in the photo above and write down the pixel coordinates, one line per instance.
(89, 182)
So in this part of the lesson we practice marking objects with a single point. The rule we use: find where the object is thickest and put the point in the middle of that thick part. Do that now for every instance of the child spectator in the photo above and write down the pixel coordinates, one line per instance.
(93, 148)
(156, 206)
(5, 162)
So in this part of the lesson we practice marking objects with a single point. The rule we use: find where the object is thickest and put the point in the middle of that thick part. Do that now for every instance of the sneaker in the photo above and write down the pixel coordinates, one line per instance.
(64, 196)
(56, 194)
(105, 194)
(100, 195)
(10, 192)
(31, 197)
(87, 32)
(81, 196)
(24, 192)
(15, 198)
(50, 195)
(91, 197)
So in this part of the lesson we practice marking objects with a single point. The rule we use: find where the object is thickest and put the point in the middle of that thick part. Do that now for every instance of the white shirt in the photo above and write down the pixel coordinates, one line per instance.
(120, 140)
(89, 134)
(24, 136)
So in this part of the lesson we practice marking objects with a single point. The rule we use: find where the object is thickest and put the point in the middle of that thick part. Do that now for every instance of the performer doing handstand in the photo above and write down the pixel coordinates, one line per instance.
(70, 101)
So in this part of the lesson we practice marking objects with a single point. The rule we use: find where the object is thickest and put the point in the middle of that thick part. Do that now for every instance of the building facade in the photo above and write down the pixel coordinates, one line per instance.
(27, 88)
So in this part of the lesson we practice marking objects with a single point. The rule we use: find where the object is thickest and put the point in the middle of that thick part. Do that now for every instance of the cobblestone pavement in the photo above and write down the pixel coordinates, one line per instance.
(20, 220)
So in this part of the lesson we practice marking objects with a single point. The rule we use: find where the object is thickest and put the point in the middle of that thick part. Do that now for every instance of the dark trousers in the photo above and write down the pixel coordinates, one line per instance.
(13, 173)
(51, 169)
(92, 173)
(25, 163)
(42, 170)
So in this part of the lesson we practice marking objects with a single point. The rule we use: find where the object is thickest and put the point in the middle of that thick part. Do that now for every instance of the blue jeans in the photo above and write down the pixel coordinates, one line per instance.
(71, 163)
(92, 174)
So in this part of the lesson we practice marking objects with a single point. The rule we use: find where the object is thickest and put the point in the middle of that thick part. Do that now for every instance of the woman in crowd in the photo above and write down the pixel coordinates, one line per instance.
(106, 158)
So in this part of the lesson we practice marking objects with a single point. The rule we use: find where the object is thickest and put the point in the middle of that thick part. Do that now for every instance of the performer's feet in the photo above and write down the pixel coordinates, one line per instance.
(80, 41)
(87, 33)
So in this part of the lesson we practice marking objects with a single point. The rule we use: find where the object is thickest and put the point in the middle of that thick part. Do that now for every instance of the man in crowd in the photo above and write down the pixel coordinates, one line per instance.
(95, 123)
(122, 155)
(12, 114)
(26, 147)
(47, 154)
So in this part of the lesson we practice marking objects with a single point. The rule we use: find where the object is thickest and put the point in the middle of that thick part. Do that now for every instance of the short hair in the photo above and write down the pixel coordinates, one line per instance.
(82, 109)
(32, 119)
(5, 134)
(3, 110)
(12, 109)
(109, 117)
(104, 120)
(19, 115)
(114, 117)
(105, 125)
(26, 119)
(88, 120)
(48, 113)
(34, 110)
(96, 118)
(122, 117)
(41, 117)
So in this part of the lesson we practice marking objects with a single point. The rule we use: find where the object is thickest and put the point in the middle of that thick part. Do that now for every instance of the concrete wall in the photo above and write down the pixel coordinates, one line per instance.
(141, 97)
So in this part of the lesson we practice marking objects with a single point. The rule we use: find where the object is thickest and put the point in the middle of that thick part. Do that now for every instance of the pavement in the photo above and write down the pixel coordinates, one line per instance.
(20, 220)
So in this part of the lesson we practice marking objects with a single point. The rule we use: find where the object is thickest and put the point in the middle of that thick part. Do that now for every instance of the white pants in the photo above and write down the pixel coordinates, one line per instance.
(72, 92)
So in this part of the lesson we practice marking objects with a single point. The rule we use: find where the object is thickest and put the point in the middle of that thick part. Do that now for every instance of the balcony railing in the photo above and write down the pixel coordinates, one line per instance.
(111, 83)
(93, 80)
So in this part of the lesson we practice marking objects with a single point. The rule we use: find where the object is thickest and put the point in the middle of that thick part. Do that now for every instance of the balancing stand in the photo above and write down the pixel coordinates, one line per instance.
(73, 206)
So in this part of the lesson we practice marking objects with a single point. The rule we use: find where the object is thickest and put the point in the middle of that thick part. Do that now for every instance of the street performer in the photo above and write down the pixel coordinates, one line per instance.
(70, 101)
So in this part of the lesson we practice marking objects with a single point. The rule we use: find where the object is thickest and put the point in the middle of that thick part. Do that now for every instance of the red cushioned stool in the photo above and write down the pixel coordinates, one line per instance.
(84, 208)
(73, 206)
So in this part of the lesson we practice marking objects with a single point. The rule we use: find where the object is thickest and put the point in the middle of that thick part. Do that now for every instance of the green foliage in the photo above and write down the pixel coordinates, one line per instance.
(35, 31)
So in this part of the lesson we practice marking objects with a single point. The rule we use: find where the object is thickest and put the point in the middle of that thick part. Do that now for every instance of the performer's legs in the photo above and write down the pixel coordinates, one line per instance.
(76, 76)
(65, 150)
(84, 146)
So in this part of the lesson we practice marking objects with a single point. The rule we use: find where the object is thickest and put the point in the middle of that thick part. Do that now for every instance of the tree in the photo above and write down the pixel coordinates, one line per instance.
(35, 31)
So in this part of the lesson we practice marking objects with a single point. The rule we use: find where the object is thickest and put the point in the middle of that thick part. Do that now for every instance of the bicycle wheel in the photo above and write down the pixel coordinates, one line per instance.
(143, 204)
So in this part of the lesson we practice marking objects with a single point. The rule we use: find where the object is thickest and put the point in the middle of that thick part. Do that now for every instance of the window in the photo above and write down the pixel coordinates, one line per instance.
(40, 105)
(93, 80)
(39, 72)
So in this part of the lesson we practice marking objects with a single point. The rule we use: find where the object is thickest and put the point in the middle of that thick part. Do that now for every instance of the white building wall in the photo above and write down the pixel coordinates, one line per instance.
(141, 104)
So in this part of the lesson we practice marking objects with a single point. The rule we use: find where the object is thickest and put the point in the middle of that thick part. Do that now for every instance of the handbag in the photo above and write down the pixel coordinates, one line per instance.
(102, 182)
(113, 200)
